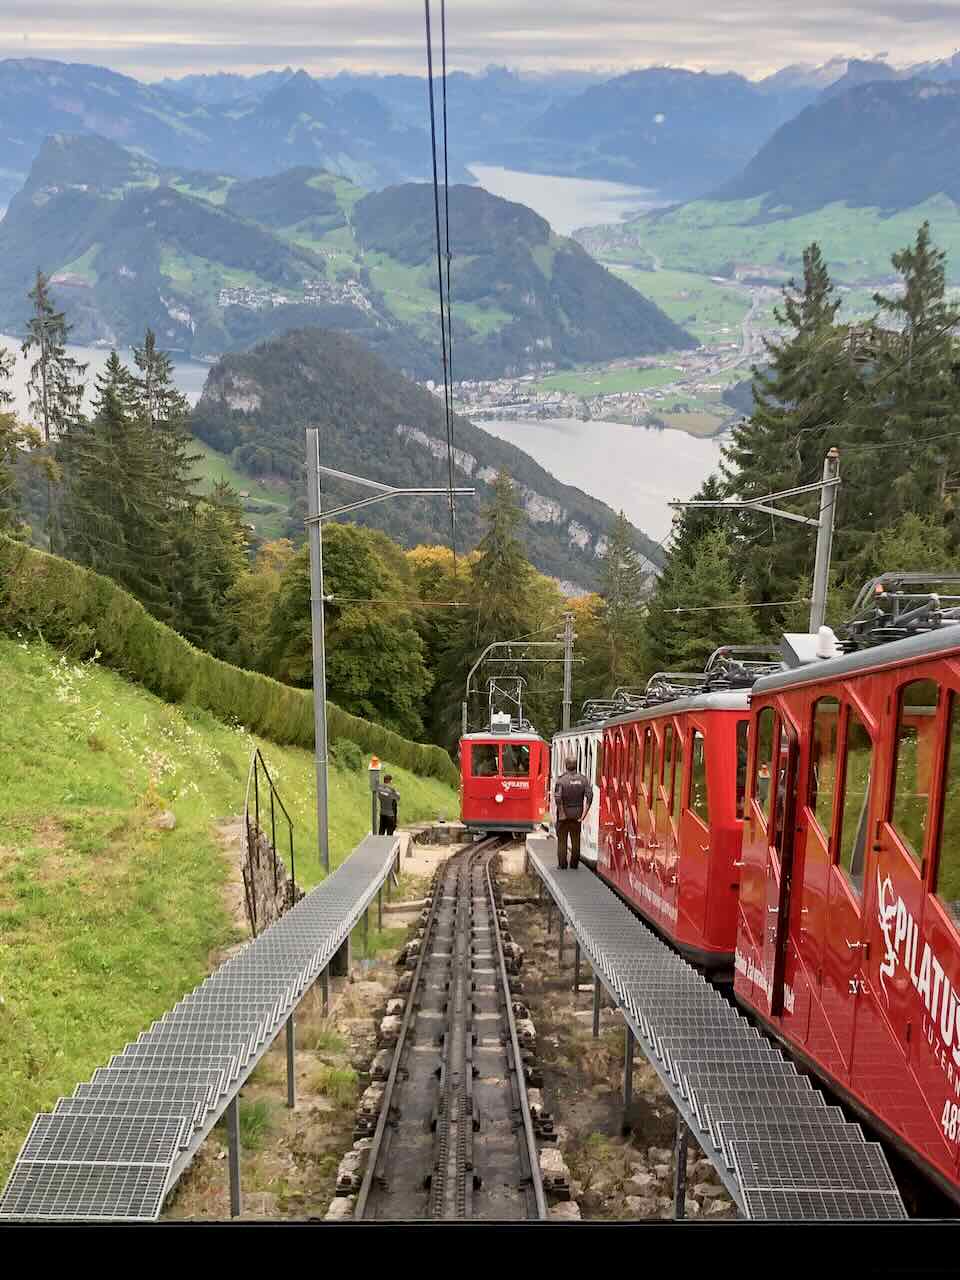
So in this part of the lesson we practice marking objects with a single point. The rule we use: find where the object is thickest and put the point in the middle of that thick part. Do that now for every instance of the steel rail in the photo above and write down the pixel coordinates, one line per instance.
(454, 1106)
(529, 1137)
(386, 1106)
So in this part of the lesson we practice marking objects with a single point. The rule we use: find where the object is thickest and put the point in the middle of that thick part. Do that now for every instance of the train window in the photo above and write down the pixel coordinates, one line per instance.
(698, 776)
(947, 882)
(742, 737)
(667, 755)
(855, 801)
(913, 772)
(652, 766)
(632, 761)
(484, 760)
(766, 723)
(516, 760)
(599, 776)
(823, 762)
(677, 778)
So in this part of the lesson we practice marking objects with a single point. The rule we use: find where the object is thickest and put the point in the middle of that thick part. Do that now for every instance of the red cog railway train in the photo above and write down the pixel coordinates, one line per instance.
(796, 824)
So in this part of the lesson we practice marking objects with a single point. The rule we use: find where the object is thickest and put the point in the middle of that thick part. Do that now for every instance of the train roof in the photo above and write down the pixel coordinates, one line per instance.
(497, 735)
(944, 639)
(723, 700)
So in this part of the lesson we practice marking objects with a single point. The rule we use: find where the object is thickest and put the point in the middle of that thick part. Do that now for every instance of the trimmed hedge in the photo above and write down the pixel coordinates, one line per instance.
(76, 609)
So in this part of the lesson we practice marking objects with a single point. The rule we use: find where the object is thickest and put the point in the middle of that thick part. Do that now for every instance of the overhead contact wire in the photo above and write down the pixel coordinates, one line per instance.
(440, 283)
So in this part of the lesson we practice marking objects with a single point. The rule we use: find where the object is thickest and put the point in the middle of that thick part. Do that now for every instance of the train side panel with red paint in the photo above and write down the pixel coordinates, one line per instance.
(504, 779)
(672, 781)
(848, 942)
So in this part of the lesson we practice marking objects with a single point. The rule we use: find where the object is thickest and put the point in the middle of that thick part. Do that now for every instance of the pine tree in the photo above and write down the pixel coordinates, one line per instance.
(623, 584)
(55, 383)
(799, 399)
(707, 590)
(915, 398)
(114, 516)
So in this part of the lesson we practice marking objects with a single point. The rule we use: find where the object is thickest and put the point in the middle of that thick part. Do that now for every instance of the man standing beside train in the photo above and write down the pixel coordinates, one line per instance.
(389, 798)
(574, 796)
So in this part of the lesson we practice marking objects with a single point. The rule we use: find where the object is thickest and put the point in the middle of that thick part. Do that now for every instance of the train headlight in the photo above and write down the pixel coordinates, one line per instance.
(499, 797)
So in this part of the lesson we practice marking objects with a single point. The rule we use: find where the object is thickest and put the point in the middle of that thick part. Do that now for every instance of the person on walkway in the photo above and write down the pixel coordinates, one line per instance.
(574, 796)
(389, 798)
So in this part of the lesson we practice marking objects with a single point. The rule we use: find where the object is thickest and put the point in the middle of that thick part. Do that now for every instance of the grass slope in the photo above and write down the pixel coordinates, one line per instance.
(105, 922)
(713, 236)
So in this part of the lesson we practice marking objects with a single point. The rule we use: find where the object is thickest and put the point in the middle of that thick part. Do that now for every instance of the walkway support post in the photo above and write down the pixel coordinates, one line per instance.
(596, 1006)
(680, 1173)
(576, 967)
(325, 991)
(291, 1064)
(628, 1071)
(233, 1156)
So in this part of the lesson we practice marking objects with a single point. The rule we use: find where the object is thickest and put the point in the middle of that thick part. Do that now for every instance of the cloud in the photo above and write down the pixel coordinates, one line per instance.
(151, 38)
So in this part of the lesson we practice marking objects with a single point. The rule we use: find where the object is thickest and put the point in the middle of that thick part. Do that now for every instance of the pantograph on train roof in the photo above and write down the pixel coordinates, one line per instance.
(729, 667)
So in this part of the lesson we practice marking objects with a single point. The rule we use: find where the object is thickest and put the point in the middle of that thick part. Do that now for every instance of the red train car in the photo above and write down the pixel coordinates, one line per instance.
(504, 779)
(673, 776)
(848, 938)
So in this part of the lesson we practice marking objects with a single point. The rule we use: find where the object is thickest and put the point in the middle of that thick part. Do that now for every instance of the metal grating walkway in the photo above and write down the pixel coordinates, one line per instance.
(114, 1150)
(781, 1152)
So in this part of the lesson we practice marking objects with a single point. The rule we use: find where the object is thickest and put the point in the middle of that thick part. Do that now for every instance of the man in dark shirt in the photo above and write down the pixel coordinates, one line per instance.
(389, 798)
(574, 796)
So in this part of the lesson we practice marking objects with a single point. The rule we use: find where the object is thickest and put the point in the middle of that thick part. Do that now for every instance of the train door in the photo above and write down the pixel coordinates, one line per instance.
(695, 833)
(661, 818)
(843, 967)
(784, 779)
(901, 921)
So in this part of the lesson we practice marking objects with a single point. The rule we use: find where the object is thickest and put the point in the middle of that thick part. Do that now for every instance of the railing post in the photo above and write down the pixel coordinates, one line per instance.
(293, 870)
(256, 798)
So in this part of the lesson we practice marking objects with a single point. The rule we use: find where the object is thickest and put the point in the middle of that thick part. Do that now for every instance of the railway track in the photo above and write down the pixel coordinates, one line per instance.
(454, 1138)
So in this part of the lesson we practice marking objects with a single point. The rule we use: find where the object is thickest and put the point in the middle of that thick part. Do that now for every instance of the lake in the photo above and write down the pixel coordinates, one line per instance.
(189, 375)
(566, 203)
(634, 469)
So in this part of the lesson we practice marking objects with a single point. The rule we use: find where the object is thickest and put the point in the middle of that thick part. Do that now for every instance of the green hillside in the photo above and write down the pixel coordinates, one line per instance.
(717, 237)
(104, 921)
(214, 264)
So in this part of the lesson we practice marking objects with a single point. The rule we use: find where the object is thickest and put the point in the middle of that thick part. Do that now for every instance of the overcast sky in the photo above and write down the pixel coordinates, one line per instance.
(153, 38)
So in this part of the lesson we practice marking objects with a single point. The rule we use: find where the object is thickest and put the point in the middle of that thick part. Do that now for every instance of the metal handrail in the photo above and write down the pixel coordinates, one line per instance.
(257, 763)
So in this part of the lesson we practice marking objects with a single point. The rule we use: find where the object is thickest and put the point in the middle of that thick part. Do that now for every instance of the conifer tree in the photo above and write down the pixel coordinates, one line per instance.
(703, 584)
(55, 383)
(622, 585)
(799, 399)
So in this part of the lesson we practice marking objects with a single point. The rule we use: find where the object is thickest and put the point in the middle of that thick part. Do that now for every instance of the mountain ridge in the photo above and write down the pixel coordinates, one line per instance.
(213, 263)
(255, 407)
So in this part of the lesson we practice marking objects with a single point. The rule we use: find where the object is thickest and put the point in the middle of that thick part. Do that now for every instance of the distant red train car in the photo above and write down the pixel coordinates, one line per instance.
(848, 939)
(673, 777)
(504, 778)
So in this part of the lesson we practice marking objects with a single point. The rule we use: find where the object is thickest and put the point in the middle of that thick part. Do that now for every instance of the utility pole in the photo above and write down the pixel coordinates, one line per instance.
(319, 642)
(824, 525)
(567, 667)
(828, 511)
(314, 522)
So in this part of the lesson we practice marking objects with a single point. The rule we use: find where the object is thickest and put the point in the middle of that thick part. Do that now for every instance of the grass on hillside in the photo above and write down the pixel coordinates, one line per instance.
(214, 466)
(707, 236)
(106, 922)
(703, 307)
(605, 382)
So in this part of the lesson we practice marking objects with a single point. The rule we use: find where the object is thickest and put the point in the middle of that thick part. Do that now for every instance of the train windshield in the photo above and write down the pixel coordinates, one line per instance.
(484, 760)
(516, 760)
